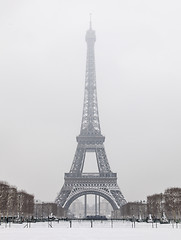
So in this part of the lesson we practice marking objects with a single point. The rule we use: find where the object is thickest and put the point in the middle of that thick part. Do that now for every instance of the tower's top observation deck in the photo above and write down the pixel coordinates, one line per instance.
(90, 34)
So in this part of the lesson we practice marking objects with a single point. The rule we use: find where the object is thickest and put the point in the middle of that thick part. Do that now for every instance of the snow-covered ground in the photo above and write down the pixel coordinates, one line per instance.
(82, 230)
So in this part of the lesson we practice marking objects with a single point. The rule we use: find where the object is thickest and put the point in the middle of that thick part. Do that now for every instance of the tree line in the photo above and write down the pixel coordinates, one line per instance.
(14, 203)
(158, 206)
(168, 203)
(20, 204)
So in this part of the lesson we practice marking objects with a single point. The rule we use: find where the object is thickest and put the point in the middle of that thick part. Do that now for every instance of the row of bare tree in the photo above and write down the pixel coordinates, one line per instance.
(169, 203)
(161, 206)
(15, 203)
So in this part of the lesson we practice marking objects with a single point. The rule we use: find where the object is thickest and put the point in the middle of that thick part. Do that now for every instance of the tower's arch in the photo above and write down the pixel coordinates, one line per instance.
(90, 192)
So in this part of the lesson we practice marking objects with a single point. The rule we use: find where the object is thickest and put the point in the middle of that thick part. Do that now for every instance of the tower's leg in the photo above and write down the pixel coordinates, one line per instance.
(95, 204)
(99, 205)
(85, 206)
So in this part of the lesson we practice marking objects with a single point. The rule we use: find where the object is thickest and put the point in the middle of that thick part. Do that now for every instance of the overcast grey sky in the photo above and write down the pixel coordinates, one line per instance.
(42, 70)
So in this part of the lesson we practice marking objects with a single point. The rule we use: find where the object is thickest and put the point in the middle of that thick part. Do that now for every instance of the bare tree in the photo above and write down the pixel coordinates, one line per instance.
(29, 205)
(155, 205)
(12, 202)
(4, 188)
(21, 204)
(173, 203)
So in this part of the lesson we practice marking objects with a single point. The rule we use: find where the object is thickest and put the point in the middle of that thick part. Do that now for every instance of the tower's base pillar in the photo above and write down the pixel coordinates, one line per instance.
(85, 206)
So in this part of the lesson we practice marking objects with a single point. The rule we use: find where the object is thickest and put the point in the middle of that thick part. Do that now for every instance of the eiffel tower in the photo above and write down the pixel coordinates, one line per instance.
(104, 183)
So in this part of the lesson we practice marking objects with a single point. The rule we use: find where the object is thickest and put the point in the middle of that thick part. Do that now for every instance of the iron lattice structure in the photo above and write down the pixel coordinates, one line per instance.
(103, 183)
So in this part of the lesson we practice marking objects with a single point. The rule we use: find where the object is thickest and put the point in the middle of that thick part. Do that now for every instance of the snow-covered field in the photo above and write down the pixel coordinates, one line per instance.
(82, 230)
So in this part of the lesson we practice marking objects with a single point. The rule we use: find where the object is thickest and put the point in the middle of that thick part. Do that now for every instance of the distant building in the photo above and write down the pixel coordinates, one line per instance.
(47, 209)
(105, 208)
(77, 209)
(138, 210)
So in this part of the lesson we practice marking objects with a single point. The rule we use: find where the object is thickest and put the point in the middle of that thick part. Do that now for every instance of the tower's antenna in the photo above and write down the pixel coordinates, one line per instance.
(90, 20)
